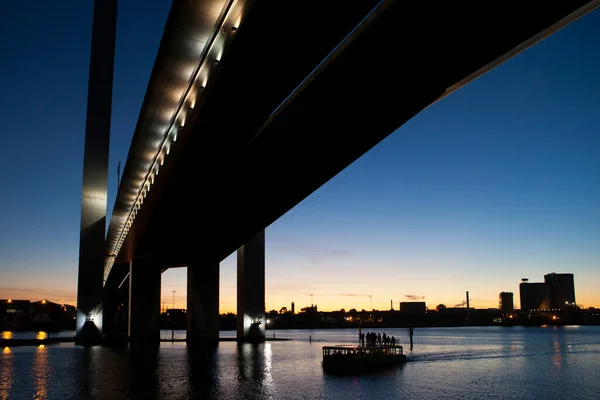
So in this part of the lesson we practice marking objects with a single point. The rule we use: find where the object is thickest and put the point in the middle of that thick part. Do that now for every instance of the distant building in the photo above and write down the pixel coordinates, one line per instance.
(505, 302)
(562, 289)
(414, 307)
(293, 308)
(534, 295)
(13, 313)
(44, 311)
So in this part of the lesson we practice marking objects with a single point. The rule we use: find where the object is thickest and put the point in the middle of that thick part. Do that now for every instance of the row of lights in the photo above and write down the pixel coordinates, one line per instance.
(169, 138)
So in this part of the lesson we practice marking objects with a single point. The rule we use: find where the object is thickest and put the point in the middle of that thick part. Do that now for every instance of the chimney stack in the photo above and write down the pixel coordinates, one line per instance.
(467, 299)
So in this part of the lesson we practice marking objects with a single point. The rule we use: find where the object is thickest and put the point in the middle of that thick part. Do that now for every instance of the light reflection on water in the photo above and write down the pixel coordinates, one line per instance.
(7, 335)
(446, 363)
(41, 372)
(6, 373)
(254, 370)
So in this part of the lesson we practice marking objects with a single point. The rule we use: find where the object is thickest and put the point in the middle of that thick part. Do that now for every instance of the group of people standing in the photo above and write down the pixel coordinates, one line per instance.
(375, 339)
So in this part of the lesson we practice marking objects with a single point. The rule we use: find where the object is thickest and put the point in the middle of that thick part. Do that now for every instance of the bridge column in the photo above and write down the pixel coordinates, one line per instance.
(116, 300)
(251, 290)
(92, 250)
(203, 302)
(112, 309)
(144, 302)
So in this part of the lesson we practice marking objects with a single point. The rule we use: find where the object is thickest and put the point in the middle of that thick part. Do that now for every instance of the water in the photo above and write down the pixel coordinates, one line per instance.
(446, 363)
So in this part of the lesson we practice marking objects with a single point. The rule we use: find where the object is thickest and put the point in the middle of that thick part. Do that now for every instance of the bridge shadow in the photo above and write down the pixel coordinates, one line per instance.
(145, 374)
(203, 370)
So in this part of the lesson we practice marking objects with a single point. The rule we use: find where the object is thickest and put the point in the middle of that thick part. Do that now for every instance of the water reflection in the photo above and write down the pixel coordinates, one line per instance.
(557, 355)
(92, 372)
(144, 373)
(254, 370)
(7, 335)
(6, 373)
(41, 372)
(203, 375)
(107, 373)
(527, 363)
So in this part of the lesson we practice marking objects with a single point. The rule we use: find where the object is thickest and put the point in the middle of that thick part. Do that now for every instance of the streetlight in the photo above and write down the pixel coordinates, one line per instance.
(311, 300)
(171, 318)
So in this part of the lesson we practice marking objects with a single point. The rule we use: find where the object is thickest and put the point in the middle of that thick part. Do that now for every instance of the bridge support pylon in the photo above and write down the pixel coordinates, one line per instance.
(90, 279)
(251, 290)
(144, 302)
(203, 302)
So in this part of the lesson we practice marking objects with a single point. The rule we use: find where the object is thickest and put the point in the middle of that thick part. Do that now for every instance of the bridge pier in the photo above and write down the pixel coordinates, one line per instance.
(144, 302)
(203, 302)
(251, 290)
(114, 325)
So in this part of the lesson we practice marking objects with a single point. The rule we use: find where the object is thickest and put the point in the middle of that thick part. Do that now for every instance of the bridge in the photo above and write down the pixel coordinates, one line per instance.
(251, 107)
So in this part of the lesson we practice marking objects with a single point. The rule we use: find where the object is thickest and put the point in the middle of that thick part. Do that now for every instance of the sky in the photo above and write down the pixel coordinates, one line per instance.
(496, 182)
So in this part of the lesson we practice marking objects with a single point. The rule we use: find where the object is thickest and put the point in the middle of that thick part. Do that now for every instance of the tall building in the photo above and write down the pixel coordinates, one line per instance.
(562, 289)
(505, 302)
(534, 295)
(293, 308)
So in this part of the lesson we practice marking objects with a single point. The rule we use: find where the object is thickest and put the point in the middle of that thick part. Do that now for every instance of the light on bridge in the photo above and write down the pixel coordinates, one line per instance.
(171, 132)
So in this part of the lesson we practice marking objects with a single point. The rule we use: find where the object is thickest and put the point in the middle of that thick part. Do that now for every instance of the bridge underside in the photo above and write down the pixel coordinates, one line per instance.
(236, 167)
(224, 187)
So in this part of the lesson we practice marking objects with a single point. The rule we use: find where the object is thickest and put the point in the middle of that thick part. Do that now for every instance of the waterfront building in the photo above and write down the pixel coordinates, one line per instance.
(534, 295)
(562, 290)
(506, 302)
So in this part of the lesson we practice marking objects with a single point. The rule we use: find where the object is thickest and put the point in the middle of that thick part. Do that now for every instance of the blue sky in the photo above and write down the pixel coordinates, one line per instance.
(497, 182)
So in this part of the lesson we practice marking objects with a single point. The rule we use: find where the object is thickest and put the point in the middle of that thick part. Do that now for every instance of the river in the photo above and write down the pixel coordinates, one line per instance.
(445, 363)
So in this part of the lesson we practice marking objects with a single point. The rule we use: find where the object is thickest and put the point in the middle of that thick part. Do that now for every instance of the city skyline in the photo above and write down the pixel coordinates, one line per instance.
(178, 302)
(495, 183)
